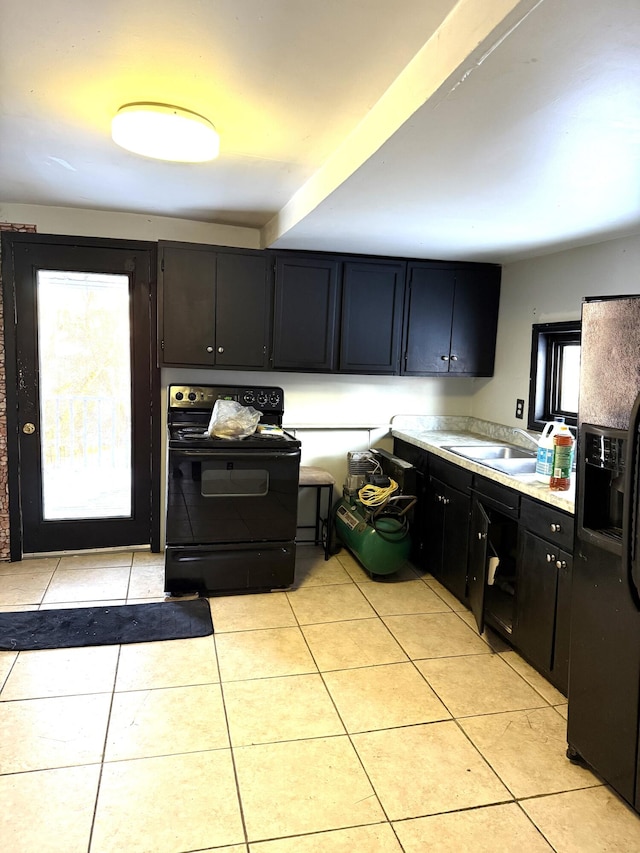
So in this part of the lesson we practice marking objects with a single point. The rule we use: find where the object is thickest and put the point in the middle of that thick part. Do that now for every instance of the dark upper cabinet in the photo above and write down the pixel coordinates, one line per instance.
(187, 305)
(451, 319)
(371, 322)
(475, 321)
(259, 310)
(430, 292)
(215, 307)
(305, 311)
(243, 310)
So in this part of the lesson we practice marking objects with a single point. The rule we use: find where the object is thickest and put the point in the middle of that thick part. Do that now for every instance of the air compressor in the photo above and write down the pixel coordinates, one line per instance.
(374, 526)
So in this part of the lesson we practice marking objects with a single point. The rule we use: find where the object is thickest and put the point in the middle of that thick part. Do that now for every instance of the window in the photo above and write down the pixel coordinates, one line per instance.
(555, 373)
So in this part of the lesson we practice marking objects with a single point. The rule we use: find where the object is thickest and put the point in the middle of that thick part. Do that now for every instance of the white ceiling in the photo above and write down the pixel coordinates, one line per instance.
(478, 129)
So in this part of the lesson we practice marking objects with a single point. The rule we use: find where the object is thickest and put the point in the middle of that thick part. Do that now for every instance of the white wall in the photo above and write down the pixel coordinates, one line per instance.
(126, 226)
(545, 290)
(334, 414)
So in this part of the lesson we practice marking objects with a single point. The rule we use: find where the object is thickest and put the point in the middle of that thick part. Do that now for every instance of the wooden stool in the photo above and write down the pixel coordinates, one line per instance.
(318, 479)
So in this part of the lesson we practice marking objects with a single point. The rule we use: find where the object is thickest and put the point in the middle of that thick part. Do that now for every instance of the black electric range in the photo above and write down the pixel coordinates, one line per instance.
(231, 502)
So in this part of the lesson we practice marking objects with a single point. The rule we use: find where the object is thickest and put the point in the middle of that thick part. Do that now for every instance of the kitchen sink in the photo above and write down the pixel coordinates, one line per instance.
(501, 457)
(480, 452)
(511, 466)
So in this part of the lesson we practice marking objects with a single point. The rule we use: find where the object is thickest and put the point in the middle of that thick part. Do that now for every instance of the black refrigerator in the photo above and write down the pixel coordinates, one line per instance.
(604, 672)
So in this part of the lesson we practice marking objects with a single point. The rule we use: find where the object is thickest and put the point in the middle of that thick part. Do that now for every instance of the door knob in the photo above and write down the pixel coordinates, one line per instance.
(454, 358)
(28, 429)
(209, 349)
(220, 349)
(444, 357)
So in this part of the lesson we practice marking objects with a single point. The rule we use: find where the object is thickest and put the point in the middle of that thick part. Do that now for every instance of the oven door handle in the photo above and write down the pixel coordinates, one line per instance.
(235, 455)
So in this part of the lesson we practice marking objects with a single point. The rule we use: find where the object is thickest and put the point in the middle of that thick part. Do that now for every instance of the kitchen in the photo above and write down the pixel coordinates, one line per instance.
(545, 287)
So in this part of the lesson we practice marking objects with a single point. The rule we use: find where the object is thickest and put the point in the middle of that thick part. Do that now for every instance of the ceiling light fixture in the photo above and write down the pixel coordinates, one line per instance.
(165, 132)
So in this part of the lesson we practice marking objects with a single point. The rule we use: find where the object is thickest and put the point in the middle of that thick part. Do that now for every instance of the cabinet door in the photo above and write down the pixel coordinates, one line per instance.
(560, 667)
(434, 525)
(243, 310)
(479, 534)
(306, 292)
(372, 299)
(430, 295)
(187, 316)
(475, 322)
(457, 507)
(536, 600)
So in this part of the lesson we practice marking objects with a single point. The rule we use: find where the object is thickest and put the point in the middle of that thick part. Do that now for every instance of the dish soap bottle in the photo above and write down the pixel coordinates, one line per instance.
(562, 460)
(544, 459)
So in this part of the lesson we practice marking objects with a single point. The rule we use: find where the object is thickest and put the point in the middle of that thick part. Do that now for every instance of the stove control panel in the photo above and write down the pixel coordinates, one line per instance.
(266, 399)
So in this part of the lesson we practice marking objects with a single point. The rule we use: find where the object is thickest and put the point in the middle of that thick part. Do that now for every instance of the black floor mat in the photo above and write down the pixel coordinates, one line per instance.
(105, 626)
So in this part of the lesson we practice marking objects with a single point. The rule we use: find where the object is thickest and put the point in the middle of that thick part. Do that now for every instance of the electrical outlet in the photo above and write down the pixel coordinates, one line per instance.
(520, 409)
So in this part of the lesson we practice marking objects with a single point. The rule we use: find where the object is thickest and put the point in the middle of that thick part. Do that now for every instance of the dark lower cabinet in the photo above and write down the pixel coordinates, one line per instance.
(544, 589)
(492, 555)
(507, 556)
(537, 593)
(448, 535)
(560, 665)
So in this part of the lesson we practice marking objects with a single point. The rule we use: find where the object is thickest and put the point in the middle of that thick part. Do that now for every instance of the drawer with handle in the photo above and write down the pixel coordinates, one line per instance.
(548, 522)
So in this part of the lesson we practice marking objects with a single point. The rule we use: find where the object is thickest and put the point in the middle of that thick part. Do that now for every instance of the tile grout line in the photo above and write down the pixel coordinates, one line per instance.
(231, 747)
(104, 750)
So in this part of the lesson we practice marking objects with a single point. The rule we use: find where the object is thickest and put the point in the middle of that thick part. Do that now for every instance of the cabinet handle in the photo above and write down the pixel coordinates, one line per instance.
(220, 349)
(556, 528)
(561, 564)
(446, 501)
(444, 357)
(209, 349)
(551, 558)
(454, 358)
(482, 535)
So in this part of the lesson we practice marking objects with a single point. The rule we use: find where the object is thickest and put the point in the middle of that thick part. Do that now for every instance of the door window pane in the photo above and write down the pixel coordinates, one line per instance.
(85, 399)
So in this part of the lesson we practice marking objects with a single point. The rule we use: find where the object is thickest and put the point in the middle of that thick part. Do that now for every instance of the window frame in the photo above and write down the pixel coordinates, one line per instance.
(547, 343)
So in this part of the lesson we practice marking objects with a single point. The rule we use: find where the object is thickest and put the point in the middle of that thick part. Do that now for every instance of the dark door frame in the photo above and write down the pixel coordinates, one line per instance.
(9, 240)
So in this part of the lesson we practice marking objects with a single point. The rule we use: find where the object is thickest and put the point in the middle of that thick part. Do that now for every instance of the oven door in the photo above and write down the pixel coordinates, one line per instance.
(231, 496)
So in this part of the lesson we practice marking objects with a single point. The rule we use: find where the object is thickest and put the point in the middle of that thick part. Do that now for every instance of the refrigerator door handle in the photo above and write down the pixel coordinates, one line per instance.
(630, 508)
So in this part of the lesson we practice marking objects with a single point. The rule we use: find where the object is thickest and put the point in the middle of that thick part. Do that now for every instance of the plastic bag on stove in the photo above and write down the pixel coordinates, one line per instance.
(231, 420)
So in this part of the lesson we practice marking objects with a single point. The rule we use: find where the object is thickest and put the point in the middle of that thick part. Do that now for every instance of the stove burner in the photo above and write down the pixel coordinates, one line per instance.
(193, 432)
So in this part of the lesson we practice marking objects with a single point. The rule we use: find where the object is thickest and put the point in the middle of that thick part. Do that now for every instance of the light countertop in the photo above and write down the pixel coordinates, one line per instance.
(435, 440)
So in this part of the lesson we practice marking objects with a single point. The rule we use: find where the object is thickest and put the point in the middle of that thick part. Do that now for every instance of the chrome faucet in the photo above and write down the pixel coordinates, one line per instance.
(526, 435)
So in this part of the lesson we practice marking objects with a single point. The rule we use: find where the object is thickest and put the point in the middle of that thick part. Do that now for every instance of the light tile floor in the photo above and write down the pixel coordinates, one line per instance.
(344, 715)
